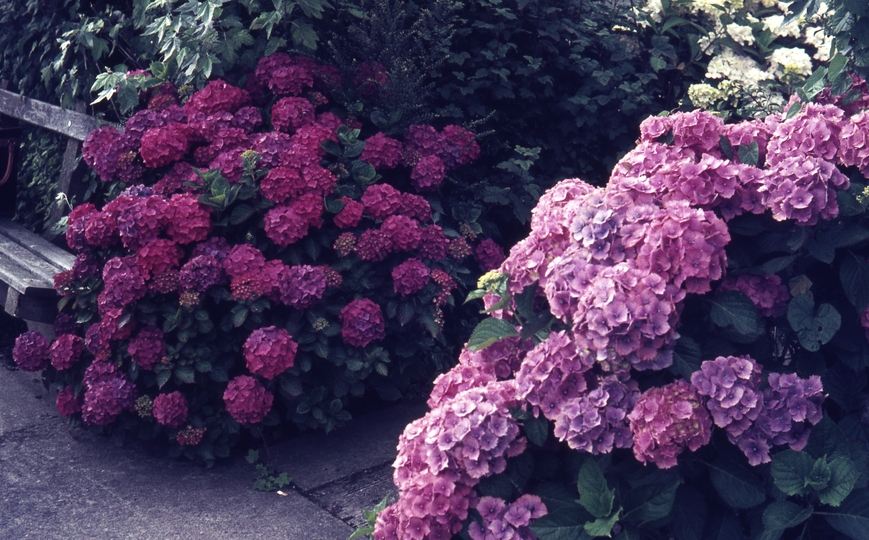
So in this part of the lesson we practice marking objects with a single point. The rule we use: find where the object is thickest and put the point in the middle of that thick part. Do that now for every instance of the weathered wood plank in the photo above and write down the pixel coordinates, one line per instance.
(21, 278)
(31, 259)
(41, 309)
(69, 123)
(59, 258)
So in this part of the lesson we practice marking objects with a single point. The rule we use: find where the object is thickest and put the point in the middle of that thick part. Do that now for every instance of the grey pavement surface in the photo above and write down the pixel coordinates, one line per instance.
(56, 486)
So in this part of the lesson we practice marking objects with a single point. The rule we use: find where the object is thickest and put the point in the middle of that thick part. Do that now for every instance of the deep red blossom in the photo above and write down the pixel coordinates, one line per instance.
(381, 151)
(289, 223)
(269, 351)
(157, 256)
(170, 409)
(31, 351)
(381, 201)
(283, 74)
(217, 96)
(247, 400)
(410, 276)
(188, 220)
(66, 351)
(291, 113)
(243, 258)
(350, 215)
(164, 145)
(148, 347)
(403, 232)
(362, 323)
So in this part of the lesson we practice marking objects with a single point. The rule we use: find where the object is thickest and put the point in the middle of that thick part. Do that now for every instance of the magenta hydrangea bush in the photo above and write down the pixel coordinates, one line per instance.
(257, 256)
(684, 341)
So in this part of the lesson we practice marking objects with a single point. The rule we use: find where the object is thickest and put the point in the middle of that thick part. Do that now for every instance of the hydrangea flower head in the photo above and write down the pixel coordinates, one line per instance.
(31, 351)
(170, 409)
(362, 323)
(269, 351)
(247, 400)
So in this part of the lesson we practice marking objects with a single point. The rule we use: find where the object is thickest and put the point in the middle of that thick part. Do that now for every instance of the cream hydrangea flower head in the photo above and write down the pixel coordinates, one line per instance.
(704, 95)
(790, 61)
(740, 34)
(737, 67)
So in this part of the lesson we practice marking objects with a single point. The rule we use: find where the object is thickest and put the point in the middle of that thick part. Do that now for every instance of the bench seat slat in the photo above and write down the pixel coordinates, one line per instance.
(22, 279)
(59, 258)
(42, 270)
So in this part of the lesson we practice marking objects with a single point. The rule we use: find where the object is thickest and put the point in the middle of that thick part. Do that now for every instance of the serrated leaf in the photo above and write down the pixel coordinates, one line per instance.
(784, 515)
(749, 154)
(726, 147)
(602, 526)
(241, 213)
(536, 429)
(562, 524)
(594, 492)
(852, 518)
(650, 502)
(793, 110)
(489, 331)
(686, 357)
(736, 484)
(844, 475)
(854, 276)
(814, 327)
(163, 377)
(733, 309)
(185, 374)
(790, 471)
(690, 513)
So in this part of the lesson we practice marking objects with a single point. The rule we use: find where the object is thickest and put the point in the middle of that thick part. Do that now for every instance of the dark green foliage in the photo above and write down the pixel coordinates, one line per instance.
(41, 156)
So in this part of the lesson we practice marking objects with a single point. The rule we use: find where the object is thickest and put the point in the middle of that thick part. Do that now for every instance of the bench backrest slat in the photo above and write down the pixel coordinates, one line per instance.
(69, 123)
(58, 257)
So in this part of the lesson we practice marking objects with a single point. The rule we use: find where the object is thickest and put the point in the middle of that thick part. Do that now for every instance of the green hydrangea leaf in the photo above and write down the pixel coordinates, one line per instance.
(843, 476)
(594, 493)
(562, 524)
(784, 515)
(852, 517)
(489, 331)
(736, 484)
(791, 471)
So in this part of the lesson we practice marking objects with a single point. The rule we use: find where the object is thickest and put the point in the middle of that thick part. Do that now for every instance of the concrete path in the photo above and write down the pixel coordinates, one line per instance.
(54, 486)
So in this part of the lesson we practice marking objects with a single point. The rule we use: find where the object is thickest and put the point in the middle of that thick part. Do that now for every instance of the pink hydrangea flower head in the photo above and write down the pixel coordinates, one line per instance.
(66, 351)
(76, 225)
(288, 223)
(141, 220)
(217, 96)
(698, 130)
(247, 119)
(31, 351)
(803, 189)
(164, 145)
(403, 232)
(201, 273)
(350, 215)
(362, 323)
(188, 220)
(101, 151)
(148, 347)
(489, 255)
(270, 146)
(283, 74)
(247, 400)
(157, 256)
(291, 113)
(433, 243)
(666, 420)
(269, 351)
(230, 163)
(308, 140)
(381, 151)
(423, 140)
(459, 146)
(416, 207)
(813, 132)
(428, 173)
(373, 245)
(106, 398)
(854, 143)
(215, 246)
(243, 258)
(66, 402)
(410, 276)
(302, 285)
(170, 409)
(381, 201)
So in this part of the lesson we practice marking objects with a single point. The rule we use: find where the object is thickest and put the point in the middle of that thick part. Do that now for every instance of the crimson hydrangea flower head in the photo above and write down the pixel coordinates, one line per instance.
(423, 140)
(223, 141)
(459, 146)
(270, 146)
(188, 220)
(427, 174)
(283, 74)
(230, 163)
(66, 351)
(101, 230)
(402, 231)
(217, 96)
(247, 119)
(433, 243)
(489, 255)
(248, 287)
(289, 223)
(381, 151)
(101, 151)
(148, 347)
(666, 420)
(350, 215)
(291, 113)
(362, 322)
(415, 206)
(157, 256)
(77, 224)
(67, 404)
(243, 258)
(302, 285)
(106, 398)
(31, 351)
(381, 201)
(373, 245)
(170, 409)
(269, 351)
(141, 220)
(247, 400)
(164, 145)
(410, 276)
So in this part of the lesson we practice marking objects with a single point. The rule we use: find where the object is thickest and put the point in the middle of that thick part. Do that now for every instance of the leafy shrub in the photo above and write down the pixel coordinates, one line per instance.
(237, 276)
(41, 158)
(703, 315)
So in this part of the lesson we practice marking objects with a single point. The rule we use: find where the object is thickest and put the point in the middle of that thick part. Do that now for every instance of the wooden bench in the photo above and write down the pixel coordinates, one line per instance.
(28, 261)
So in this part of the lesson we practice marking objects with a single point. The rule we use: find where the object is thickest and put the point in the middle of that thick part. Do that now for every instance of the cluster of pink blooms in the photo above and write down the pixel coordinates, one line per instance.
(269, 351)
(247, 400)
(170, 409)
(108, 392)
(756, 419)
(666, 420)
(615, 265)
(768, 294)
(502, 521)
(362, 322)
(31, 351)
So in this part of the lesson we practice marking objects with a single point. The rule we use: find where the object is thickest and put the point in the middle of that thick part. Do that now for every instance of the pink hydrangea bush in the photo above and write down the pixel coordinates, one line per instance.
(636, 281)
(260, 250)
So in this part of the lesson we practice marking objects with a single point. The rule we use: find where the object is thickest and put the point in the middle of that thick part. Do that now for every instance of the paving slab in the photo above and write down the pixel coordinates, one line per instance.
(53, 486)
(368, 442)
(349, 498)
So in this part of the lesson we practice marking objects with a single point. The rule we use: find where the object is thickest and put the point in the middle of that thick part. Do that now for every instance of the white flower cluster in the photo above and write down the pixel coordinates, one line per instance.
(791, 61)
(736, 67)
